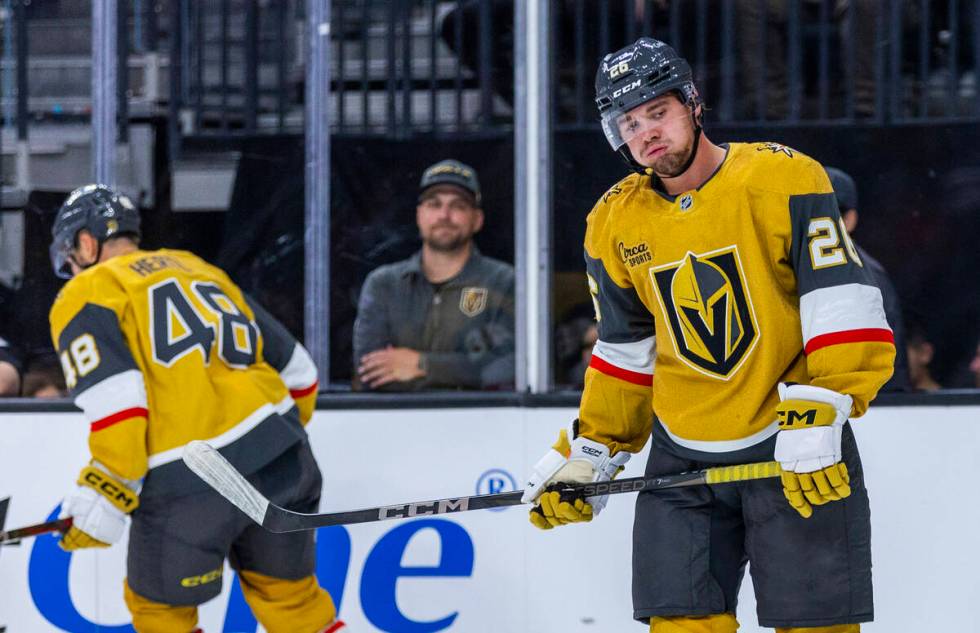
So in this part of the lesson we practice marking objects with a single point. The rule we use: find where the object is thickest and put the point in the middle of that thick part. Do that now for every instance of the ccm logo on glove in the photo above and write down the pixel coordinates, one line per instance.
(797, 413)
(121, 497)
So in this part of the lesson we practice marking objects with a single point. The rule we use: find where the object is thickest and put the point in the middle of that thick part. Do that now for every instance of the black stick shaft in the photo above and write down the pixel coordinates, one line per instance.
(58, 525)
(280, 520)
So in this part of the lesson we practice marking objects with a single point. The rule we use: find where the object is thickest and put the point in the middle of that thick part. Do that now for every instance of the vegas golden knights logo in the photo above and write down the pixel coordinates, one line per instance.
(707, 305)
(472, 301)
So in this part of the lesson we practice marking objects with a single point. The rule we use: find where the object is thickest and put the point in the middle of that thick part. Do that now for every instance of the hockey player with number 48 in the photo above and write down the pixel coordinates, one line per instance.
(732, 303)
(160, 348)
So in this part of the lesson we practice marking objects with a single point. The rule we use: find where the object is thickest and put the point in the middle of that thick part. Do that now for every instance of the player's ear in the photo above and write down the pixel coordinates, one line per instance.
(86, 244)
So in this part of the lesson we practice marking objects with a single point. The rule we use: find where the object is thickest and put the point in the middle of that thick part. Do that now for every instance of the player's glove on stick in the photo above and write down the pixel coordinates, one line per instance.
(580, 461)
(811, 422)
(98, 506)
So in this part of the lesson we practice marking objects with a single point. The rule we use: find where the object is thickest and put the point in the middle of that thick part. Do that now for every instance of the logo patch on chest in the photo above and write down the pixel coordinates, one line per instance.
(634, 255)
(706, 303)
(686, 202)
(473, 300)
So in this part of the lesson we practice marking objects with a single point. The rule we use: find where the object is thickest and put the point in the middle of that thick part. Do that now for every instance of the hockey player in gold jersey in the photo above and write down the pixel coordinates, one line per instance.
(731, 302)
(160, 348)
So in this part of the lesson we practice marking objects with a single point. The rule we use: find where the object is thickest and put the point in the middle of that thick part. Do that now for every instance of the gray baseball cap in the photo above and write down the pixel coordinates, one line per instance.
(844, 188)
(451, 172)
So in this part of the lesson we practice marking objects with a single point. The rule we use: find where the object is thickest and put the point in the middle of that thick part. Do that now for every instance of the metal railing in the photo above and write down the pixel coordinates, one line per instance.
(238, 68)
(397, 71)
(814, 61)
(445, 67)
(232, 62)
(435, 67)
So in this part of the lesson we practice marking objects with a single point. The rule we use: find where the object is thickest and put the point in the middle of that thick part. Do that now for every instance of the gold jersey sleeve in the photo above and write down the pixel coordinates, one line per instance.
(101, 373)
(616, 398)
(708, 299)
(160, 348)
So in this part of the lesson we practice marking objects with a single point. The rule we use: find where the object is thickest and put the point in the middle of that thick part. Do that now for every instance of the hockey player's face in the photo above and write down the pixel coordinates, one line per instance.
(447, 219)
(661, 134)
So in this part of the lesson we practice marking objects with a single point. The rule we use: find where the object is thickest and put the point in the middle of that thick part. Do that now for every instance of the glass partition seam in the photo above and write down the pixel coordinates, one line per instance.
(316, 242)
(104, 68)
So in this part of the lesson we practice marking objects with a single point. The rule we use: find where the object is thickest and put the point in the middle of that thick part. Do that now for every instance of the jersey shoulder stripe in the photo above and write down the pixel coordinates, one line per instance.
(119, 416)
(865, 335)
(632, 362)
(637, 378)
(844, 313)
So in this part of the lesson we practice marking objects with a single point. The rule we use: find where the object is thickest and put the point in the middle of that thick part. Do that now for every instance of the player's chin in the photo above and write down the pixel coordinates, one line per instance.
(670, 166)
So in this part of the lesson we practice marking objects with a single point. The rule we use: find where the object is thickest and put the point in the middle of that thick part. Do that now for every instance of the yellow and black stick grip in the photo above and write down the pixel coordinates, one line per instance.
(708, 476)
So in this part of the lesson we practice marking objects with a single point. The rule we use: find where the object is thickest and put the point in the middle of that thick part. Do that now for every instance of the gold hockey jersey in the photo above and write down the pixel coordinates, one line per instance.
(707, 300)
(160, 348)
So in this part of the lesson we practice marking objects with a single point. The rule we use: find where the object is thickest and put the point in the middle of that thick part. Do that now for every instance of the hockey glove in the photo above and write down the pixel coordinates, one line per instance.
(581, 461)
(98, 506)
(811, 421)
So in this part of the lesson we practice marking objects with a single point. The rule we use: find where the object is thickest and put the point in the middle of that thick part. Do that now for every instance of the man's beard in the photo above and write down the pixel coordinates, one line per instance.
(446, 243)
(671, 165)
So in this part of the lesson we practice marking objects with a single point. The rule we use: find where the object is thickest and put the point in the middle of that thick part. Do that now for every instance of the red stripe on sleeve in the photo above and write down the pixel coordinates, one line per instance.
(635, 377)
(866, 335)
(305, 391)
(119, 416)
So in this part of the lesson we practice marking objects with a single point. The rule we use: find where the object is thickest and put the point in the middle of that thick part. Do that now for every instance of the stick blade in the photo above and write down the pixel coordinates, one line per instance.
(207, 463)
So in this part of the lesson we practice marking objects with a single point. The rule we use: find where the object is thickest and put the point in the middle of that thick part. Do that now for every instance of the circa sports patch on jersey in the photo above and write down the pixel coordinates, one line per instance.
(706, 302)
(634, 254)
(473, 300)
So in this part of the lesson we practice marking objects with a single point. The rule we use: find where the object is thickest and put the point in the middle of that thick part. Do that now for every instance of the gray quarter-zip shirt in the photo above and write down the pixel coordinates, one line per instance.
(464, 327)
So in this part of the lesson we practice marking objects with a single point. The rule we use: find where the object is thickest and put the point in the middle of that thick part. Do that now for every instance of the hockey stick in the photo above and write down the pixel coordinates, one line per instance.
(12, 537)
(211, 466)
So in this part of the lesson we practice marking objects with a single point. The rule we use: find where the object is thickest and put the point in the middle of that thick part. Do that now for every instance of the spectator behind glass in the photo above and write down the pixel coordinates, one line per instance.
(11, 366)
(847, 200)
(44, 379)
(920, 353)
(443, 318)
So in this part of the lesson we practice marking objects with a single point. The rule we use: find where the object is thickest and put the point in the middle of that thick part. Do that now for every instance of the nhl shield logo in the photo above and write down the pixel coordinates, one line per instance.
(473, 301)
(706, 303)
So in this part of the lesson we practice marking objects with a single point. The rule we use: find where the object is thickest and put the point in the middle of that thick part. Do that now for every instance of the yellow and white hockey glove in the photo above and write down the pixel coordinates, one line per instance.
(98, 506)
(581, 461)
(811, 422)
